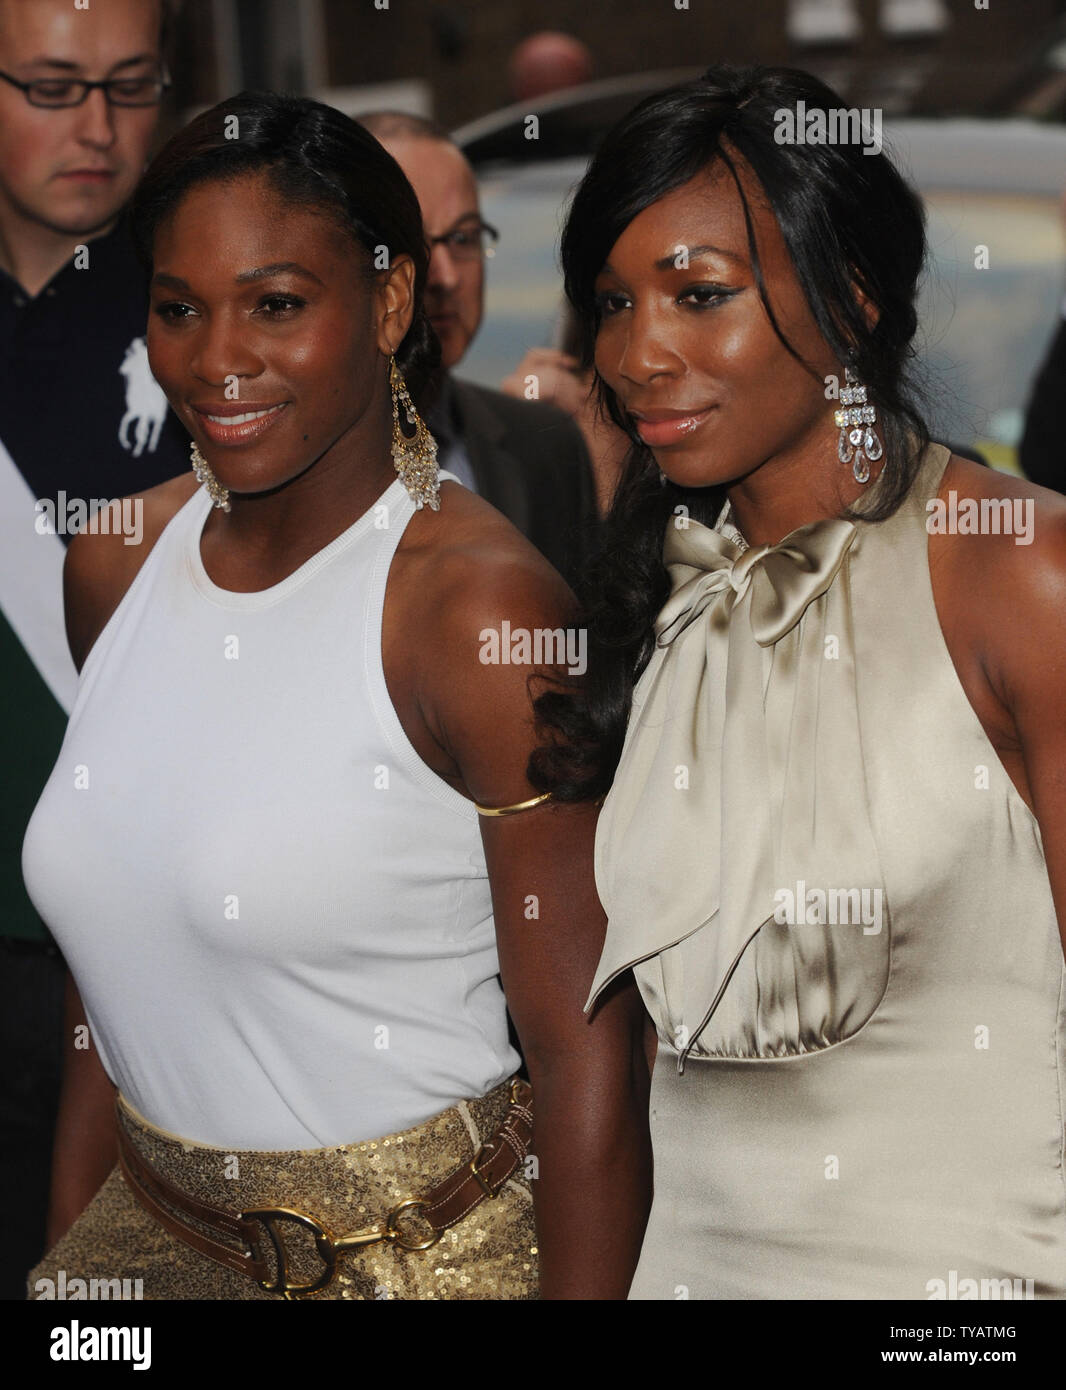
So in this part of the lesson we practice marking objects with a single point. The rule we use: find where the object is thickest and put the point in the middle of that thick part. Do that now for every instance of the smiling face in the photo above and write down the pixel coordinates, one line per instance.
(71, 169)
(690, 352)
(267, 335)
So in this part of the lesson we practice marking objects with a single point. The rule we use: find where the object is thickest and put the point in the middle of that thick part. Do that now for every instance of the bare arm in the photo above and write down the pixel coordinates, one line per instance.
(590, 1077)
(85, 1150)
(1029, 662)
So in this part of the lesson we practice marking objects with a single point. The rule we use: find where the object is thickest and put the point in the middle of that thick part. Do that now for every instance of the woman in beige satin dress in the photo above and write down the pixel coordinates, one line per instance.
(827, 659)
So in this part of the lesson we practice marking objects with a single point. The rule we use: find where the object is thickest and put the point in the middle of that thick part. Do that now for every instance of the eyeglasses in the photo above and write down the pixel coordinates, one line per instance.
(72, 91)
(469, 242)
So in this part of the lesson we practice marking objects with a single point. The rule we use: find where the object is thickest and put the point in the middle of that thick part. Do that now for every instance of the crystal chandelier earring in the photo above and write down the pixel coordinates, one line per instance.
(217, 493)
(414, 456)
(857, 445)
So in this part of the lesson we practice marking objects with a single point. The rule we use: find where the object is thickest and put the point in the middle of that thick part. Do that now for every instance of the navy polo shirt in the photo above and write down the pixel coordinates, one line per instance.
(81, 417)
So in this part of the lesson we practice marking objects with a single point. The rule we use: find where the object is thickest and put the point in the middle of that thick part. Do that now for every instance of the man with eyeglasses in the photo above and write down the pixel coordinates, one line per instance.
(81, 419)
(525, 457)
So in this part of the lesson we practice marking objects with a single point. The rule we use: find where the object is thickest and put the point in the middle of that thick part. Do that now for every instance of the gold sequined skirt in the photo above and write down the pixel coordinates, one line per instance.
(490, 1254)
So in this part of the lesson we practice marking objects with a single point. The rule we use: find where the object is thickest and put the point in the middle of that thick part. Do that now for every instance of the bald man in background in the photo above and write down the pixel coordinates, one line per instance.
(548, 61)
(527, 458)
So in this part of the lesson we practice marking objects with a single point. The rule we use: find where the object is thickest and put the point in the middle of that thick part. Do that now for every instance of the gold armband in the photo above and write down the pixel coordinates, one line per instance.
(512, 810)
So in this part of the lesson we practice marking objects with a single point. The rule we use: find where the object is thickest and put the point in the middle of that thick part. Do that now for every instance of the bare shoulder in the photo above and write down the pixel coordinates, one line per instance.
(102, 564)
(997, 557)
(468, 562)
(473, 614)
(1002, 537)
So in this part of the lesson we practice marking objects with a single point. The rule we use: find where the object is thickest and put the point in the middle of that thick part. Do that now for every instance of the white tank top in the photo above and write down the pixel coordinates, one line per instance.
(278, 917)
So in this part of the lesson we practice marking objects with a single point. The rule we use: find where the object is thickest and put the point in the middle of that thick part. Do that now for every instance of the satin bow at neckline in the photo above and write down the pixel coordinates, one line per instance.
(741, 774)
(785, 578)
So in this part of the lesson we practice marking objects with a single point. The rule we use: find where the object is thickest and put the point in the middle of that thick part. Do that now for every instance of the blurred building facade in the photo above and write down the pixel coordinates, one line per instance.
(449, 58)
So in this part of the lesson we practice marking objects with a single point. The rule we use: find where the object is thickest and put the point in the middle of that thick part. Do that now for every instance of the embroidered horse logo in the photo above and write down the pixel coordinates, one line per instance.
(146, 406)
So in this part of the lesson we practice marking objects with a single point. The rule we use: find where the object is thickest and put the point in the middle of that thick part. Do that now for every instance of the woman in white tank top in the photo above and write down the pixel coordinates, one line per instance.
(260, 849)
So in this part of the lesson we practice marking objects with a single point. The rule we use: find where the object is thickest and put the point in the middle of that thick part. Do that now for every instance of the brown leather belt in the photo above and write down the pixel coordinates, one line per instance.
(459, 1193)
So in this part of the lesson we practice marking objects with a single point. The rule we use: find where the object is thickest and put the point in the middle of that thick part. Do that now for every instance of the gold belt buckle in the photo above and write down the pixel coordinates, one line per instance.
(327, 1245)
(484, 1153)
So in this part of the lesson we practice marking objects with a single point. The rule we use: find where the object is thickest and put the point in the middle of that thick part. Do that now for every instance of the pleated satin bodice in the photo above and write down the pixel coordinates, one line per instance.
(837, 910)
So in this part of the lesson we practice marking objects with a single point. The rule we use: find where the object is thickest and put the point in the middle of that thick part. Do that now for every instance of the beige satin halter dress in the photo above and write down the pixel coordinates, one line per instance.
(838, 913)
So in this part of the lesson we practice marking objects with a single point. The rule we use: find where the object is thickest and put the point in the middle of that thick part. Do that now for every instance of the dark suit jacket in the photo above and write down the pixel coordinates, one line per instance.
(530, 462)
(1041, 454)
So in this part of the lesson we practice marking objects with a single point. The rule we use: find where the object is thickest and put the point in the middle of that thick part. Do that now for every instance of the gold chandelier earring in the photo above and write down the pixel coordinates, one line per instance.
(217, 493)
(414, 455)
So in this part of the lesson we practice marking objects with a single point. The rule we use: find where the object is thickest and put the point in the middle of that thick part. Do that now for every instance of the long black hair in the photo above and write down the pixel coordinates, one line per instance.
(849, 221)
(314, 157)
